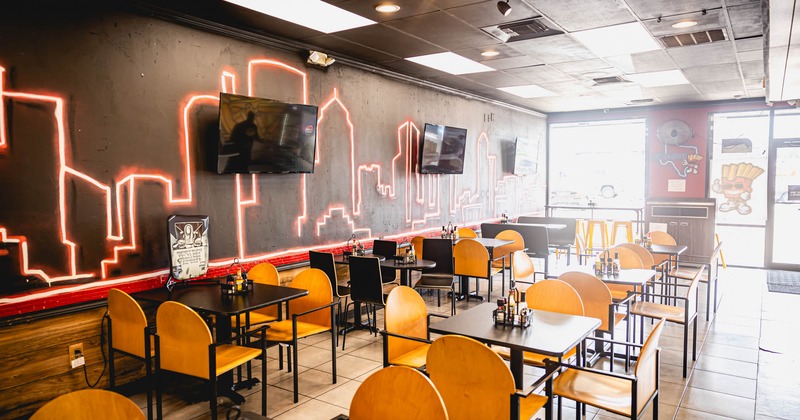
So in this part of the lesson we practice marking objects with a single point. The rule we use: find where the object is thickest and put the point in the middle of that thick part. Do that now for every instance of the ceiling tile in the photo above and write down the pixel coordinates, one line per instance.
(643, 62)
(568, 88)
(461, 83)
(334, 44)
(752, 69)
(540, 75)
(367, 9)
(649, 9)
(553, 49)
(447, 4)
(746, 20)
(757, 83)
(443, 30)
(414, 69)
(485, 13)
(728, 87)
(757, 93)
(695, 97)
(512, 62)
(704, 54)
(712, 73)
(579, 67)
(502, 49)
(750, 44)
(496, 79)
(578, 15)
(388, 39)
(751, 55)
(678, 90)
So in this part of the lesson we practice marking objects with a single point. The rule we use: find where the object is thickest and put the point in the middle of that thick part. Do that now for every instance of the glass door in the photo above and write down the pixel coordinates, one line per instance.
(785, 205)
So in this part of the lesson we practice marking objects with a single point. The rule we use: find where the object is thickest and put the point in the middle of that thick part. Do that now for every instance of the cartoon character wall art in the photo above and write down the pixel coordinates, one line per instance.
(736, 184)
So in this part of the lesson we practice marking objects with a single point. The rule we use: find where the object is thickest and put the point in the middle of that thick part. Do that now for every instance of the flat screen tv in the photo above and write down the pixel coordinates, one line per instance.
(526, 156)
(258, 135)
(442, 150)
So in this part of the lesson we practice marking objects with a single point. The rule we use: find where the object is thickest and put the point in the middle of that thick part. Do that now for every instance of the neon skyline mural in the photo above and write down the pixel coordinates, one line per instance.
(472, 198)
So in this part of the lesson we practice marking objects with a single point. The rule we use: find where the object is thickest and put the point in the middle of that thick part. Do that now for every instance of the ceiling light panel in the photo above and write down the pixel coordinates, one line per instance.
(629, 38)
(658, 78)
(450, 63)
(314, 14)
(527, 91)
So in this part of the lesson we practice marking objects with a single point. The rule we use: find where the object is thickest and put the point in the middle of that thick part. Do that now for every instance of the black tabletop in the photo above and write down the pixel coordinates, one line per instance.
(340, 259)
(210, 298)
(419, 264)
(550, 333)
(668, 249)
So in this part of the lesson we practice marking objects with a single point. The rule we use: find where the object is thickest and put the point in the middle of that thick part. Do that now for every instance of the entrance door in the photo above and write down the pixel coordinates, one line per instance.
(784, 226)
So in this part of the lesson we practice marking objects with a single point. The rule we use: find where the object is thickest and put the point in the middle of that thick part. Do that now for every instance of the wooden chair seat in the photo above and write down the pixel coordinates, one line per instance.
(414, 358)
(435, 281)
(531, 358)
(687, 273)
(282, 330)
(255, 318)
(229, 356)
(610, 393)
(529, 405)
(657, 310)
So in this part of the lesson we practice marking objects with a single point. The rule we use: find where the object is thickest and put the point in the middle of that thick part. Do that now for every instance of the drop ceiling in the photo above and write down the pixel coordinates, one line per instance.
(721, 57)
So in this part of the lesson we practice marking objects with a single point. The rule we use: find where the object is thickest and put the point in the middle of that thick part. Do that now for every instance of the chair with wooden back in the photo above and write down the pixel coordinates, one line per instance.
(441, 276)
(386, 249)
(475, 383)
(309, 315)
(89, 404)
(366, 287)
(523, 271)
(506, 251)
(261, 273)
(628, 258)
(625, 395)
(417, 397)
(684, 313)
(184, 345)
(661, 238)
(471, 259)
(405, 336)
(129, 334)
(596, 298)
(552, 296)
(416, 243)
(324, 261)
(465, 232)
(710, 275)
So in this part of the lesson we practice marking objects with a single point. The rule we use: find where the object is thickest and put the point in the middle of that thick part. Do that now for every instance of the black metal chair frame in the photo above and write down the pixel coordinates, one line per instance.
(441, 252)
(366, 286)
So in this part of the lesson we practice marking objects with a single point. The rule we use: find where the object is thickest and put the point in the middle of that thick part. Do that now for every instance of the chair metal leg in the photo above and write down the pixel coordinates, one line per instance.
(334, 337)
(295, 375)
(694, 341)
(213, 391)
(685, 347)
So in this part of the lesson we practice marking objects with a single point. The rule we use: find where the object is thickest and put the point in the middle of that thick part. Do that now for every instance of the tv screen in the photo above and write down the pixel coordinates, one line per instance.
(442, 150)
(258, 135)
(526, 157)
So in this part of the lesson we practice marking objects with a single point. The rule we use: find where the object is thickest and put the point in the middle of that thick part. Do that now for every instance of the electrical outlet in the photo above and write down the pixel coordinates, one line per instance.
(76, 355)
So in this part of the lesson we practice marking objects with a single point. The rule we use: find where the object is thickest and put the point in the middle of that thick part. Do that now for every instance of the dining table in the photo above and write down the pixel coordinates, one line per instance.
(207, 298)
(549, 333)
(490, 244)
(406, 267)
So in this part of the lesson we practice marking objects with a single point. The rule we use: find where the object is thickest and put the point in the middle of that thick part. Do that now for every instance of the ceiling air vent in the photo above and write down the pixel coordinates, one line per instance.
(521, 30)
(640, 101)
(694, 38)
(609, 80)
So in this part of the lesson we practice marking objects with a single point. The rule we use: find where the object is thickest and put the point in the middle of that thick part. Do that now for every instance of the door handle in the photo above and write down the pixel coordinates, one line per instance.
(684, 223)
(673, 223)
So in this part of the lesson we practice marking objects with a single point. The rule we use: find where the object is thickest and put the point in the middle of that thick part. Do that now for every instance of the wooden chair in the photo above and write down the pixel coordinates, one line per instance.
(324, 261)
(366, 288)
(387, 249)
(475, 383)
(661, 238)
(184, 345)
(552, 296)
(523, 271)
(627, 259)
(710, 274)
(307, 316)
(507, 251)
(416, 242)
(405, 336)
(416, 397)
(89, 404)
(261, 273)
(471, 259)
(129, 334)
(683, 315)
(440, 277)
(626, 395)
(464, 232)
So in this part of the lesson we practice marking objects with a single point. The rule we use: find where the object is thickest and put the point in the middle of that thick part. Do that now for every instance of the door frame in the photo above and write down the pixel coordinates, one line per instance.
(774, 144)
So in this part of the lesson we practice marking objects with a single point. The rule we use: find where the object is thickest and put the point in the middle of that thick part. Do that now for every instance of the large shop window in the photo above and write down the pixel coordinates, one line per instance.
(597, 162)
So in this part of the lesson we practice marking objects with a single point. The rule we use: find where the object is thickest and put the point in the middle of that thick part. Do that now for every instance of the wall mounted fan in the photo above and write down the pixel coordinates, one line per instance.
(674, 132)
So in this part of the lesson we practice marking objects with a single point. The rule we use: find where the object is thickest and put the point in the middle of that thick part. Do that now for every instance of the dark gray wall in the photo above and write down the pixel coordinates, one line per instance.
(125, 81)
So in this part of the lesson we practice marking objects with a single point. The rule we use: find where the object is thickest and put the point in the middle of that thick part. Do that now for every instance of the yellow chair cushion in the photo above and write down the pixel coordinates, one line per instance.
(414, 358)
(228, 357)
(657, 310)
(282, 330)
(610, 393)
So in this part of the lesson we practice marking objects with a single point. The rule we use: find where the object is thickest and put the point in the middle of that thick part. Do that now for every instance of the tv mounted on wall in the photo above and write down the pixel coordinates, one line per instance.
(442, 150)
(258, 135)
(526, 156)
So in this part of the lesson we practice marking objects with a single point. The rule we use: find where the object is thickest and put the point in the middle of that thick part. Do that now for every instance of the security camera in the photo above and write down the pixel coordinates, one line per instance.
(319, 59)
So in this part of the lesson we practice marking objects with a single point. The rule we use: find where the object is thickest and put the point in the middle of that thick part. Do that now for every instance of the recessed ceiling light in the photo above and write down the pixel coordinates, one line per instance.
(527, 91)
(450, 63)
(314, 14)
(684, 24)
(658, 78)
(490, 53)
(623, 39)
(387, 8)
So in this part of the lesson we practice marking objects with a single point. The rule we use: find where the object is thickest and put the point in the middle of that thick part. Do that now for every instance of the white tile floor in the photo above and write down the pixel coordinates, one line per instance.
(747, 365)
